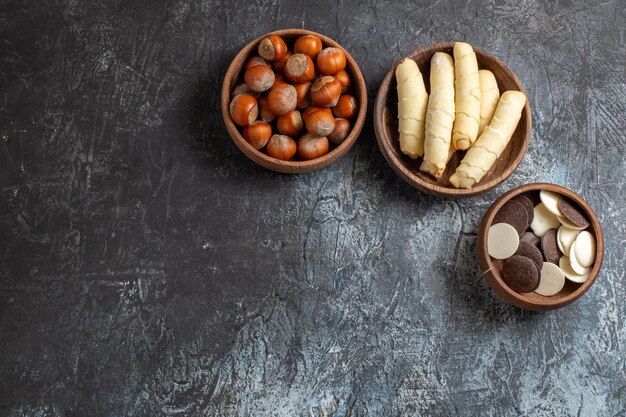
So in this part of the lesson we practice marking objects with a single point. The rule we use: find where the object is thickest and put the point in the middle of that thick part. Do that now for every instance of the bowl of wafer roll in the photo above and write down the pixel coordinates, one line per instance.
(452, 120)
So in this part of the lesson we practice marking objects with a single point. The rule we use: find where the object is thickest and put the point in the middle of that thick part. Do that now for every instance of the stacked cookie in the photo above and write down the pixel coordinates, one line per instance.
(538, 240)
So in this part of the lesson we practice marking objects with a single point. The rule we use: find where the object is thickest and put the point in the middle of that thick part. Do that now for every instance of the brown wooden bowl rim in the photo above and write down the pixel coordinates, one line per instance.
(293, 167)
(398, 165)
(492, 276)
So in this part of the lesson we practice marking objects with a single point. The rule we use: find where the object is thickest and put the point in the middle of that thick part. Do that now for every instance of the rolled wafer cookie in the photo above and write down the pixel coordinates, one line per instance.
(489, 96)
(412, 104)
(490, 145)
(440, 115)
(467, 96)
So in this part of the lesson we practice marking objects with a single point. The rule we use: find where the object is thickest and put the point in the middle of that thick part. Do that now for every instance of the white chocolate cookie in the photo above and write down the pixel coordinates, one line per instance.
(551, 281)
(576, 266)
(502, 241)
(551, 201)
(565, 237)
(543, 220)
(585, 249)
(569, 273)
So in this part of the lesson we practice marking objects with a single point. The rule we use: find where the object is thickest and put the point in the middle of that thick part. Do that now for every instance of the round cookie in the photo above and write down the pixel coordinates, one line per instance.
(572, 213)
(576, 266)
(569, 273)
(551, 281)
(528, 205)
(543, 220)
(585, 249)
(563, 220)
(502, 241)
(550, 248)
(533, 196)
(529, 237)
(530, 251)
(551, 201)
(566, 237)
(513, 213)
(520, 273)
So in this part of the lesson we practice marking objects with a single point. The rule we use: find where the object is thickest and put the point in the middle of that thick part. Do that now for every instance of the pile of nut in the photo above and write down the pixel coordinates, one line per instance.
(294, 102)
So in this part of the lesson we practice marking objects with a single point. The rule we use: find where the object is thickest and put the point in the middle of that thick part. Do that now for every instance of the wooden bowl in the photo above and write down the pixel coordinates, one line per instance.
(233, 77)
(386, 127)
(534, 301)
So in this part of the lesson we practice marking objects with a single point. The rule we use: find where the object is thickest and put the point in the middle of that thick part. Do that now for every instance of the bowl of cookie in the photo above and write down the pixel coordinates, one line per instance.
(452, 120)
(540, 246)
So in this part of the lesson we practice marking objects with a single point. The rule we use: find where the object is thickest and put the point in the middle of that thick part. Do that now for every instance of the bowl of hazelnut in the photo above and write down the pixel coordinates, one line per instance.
(294, 101)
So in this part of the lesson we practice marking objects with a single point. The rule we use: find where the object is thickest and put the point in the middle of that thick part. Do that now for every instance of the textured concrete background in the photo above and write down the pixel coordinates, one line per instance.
(148, 268)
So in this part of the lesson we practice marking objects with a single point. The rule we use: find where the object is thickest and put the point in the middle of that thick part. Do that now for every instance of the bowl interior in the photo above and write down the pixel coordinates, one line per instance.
(491, 268)
(388, 138)
(234, 76)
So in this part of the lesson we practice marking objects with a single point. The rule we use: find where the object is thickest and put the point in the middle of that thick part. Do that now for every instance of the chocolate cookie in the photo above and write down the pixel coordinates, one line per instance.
(572, 213)
(533, 196)
(529, 237)
(550, 247)
(520, 273)
(528, 205)
(514, 214)
(530, 251)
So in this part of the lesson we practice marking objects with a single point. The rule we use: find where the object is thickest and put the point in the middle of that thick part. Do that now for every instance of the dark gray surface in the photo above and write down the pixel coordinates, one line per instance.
(148, 268)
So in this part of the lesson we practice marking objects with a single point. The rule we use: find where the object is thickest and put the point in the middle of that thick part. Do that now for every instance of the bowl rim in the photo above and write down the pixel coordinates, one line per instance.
(384, 142)
(494, 279)
(292, 167)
